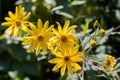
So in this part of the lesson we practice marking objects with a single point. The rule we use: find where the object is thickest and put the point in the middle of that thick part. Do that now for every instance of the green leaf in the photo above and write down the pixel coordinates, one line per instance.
(117, 65)
(86, 27)
(17, 52)
(76, 2)
(102, 23)
(102, 75)
(57, 8)
(26, 68)
(64, 14)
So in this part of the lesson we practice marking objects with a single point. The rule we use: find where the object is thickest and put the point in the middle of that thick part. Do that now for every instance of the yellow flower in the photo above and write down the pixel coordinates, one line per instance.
(96, 24)
(93, 43)
(63, 37)
(16, 21)
(67, 58)
(102, 32)
(38, 37)
(110, 61)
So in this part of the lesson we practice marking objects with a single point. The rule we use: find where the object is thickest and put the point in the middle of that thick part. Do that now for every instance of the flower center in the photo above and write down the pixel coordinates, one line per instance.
(66, 58)
(40, 38)
(63, 38)
(17, 22)
(108, 62)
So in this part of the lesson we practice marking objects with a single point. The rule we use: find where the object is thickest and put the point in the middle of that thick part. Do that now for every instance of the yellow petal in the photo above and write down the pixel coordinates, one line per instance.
(69, 67)
(26, 42)
(57, 66)
(33, 27)
(25, 18)
(39, 25)
(59, 27)
(28, 37)
(38, 49)
(72, 36)
(56, 32)
(16, 12)
(12, 16)
(24, 28)
(56, 53)
(74, 50)
(32, 46)
(77, 59)
(71, 29)
(15, 31)
(76, 66)
(11, 34)
(54, 39)
(21, 13)
(63, 68)
(11, 27)
(66, 26)
(45, 26)
(50, 28)
(78, 54)
(7, 23)
(55, 60)
(8, 19)
(44, 47)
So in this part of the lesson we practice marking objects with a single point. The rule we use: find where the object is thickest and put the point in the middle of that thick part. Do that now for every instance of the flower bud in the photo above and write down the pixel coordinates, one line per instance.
(102, 32)
(96, 24)
(93, 43)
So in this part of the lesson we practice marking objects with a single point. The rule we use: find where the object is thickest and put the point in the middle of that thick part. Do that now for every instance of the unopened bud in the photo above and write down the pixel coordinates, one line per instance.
(93, 43)
(96, 24)
(102, 32)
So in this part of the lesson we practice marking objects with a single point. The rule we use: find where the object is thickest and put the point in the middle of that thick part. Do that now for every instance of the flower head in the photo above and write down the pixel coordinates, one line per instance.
(63, 36)
(16, 21)
(67, 58)
(102, 32)
(109, 63)
(93, 43)
(38, 37)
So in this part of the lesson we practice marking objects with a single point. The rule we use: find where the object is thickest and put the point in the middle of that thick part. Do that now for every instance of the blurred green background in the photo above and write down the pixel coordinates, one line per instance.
(16, 64)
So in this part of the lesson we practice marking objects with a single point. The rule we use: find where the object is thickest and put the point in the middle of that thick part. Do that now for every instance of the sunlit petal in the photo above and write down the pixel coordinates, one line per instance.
(21, 13)
(57, 66)
(7, 23)
(71, 29)
(66, 25)
(33, 27)
(76, 66)
(15, 31)
(27, 17)
(56, 53)
(69, 67)
(8, 19)
(45, 26)
(11, 27)
(39, 25)
(63, 68)
(16, 12)
(59, 27)
(55, 60)
(12, 16)
(38, 49)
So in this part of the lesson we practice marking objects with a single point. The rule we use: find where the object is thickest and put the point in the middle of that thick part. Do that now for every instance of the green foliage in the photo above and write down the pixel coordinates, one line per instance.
(86, 27)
